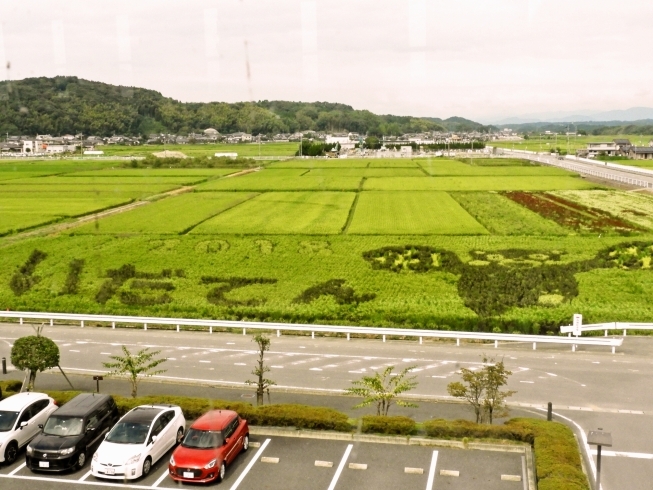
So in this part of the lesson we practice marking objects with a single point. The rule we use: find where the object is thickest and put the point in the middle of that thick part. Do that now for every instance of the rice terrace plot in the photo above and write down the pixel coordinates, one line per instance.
(483, 244)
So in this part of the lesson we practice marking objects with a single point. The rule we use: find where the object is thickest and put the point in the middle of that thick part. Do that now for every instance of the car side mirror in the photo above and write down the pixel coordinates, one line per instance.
(23, 424)
(226, 441)
(153, 439)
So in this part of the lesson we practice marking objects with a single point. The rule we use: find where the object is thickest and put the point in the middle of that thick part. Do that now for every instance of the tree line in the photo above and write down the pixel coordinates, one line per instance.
(70, 105)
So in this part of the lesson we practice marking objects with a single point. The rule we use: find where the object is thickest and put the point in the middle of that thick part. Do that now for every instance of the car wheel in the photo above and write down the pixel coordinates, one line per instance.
(11, 453)
(147, 466)
(81, 459)
(180, 434)
(246, 443)
(223, 470)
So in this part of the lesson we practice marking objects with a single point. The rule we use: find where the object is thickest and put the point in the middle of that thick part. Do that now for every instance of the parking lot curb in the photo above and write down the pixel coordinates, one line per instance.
(509, 447)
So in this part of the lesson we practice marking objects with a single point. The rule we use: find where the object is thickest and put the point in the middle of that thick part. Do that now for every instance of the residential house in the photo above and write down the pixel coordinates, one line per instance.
(641, 152)
(623, 145)
(602, 148)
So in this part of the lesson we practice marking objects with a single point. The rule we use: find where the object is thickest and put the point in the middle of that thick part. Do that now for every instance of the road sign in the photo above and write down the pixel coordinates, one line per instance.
(578, 323)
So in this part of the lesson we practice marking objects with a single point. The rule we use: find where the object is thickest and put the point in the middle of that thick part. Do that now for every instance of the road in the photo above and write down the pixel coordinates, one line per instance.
(611, 171)
(590, 386)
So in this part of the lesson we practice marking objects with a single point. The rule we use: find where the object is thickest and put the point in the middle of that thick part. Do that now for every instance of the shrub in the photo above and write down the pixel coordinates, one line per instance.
(459, 429)
(400, 425)
(8, 388)
(299, 416)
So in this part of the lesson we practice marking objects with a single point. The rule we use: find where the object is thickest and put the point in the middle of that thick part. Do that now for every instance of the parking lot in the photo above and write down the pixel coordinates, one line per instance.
(290, 463)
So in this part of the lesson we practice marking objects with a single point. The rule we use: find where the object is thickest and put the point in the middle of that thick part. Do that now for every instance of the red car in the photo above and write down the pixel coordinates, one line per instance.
(212, 442)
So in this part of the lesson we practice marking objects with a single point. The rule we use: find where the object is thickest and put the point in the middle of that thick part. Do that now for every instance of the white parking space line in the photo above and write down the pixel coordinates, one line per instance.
(92, 483)
(161, 478)
(250, 465)
(341, 466)
(431, 478)
(18, 469)
(85, 476)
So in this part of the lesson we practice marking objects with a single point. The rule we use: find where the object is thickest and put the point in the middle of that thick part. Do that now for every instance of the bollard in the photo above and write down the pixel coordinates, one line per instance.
(278, 333)
(113, 324)
(384, 338)
(458, 342)
(573, 347)
(4, 365)
(177, 328)
(347, 335)
(51, 322)
(82, 322)
(210, 329)
(549, 412)
(534, 345)
(624, 332)
(312, 335)
(21, 321)
(606, 333)
(144, 326)
(496, 344)
(244, 331)
(420, 341)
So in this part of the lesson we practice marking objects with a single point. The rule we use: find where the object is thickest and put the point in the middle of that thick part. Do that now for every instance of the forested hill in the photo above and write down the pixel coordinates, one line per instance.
(69, 105)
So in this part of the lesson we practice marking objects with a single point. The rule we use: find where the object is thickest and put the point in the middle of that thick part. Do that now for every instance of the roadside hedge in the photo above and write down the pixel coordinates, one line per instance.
(557, 459)
(300, 416)
(399, 425)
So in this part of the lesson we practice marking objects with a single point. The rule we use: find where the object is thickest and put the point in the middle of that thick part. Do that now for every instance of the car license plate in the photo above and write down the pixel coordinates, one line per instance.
(189, 474)
(44, 464)
(110, 471)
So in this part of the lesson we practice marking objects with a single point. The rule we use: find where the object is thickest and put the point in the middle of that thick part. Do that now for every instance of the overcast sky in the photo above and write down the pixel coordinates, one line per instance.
(481, 59)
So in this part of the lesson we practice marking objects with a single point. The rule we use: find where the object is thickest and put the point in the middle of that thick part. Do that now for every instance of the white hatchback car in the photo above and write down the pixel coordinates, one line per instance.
(20, 417)
(139, 439)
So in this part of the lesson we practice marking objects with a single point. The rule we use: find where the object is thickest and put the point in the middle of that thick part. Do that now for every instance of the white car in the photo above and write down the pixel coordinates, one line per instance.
(20, 417)
(139, 439)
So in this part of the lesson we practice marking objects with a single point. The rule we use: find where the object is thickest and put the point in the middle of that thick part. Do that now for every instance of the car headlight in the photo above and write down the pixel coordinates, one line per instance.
(172, 461)
(96, 457)
(29, 450)
(211, 464)
(133, 459)
(65, 452)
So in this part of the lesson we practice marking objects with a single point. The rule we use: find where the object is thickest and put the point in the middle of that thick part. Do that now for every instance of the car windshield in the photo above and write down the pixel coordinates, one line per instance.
(128, 433)
(7, 420)
(202, 439)
(64, 426)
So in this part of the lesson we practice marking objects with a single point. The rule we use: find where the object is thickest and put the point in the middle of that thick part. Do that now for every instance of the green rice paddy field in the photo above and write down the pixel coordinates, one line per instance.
(420, 243)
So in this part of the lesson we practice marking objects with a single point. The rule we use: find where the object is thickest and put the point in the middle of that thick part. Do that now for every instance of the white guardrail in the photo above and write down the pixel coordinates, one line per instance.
(593, 327)
(567, 164)
(296, 327)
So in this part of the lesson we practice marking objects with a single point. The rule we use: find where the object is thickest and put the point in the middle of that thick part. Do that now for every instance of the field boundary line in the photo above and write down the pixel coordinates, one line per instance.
(191, 228)
(352, 209)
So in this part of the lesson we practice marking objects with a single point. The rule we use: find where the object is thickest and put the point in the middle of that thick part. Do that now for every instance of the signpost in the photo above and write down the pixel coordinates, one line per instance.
(578, 323)
(97, 379)
(599, 438)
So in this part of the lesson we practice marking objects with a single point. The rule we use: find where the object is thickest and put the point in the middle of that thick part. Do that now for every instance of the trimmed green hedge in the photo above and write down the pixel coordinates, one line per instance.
(557, 458)
(399, 425)
(300, 416)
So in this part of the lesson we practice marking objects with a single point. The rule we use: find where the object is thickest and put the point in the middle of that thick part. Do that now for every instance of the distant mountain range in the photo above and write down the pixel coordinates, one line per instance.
(617, 116)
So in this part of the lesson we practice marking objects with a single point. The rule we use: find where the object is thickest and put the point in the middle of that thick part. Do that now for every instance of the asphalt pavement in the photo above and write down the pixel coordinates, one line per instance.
(591, 386)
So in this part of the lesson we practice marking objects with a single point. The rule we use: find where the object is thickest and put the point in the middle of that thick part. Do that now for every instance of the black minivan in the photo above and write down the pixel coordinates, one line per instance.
(70, 432)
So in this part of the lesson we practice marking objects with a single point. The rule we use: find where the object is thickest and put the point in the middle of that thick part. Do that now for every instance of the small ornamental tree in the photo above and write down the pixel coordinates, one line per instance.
(383, 389)
(134, 367)
(482, 389)
(261, 382)
(34, 354)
